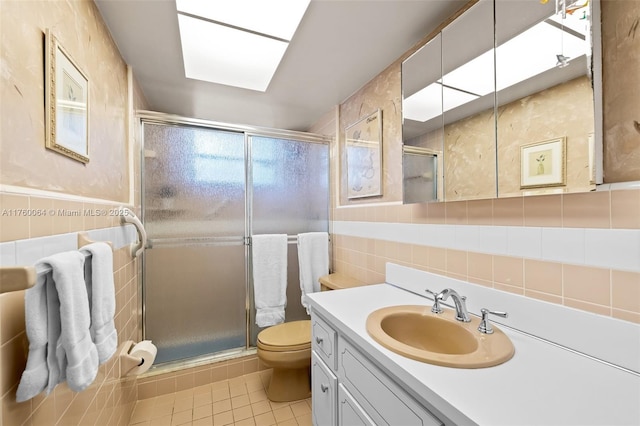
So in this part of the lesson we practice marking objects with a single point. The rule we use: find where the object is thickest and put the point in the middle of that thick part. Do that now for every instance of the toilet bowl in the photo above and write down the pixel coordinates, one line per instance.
(287, 349)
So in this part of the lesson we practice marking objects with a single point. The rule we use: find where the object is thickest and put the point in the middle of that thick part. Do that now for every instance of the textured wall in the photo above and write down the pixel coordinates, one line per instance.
(621, 87)
(24, 161)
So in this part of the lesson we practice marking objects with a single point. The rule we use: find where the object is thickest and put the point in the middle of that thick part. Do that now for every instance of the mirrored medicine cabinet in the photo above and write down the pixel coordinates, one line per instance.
(504, 106)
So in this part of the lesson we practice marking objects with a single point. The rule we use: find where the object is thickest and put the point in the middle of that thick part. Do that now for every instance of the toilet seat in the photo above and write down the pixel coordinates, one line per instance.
(286, 337)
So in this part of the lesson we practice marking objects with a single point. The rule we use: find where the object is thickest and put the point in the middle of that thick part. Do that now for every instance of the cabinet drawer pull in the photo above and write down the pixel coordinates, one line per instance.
(319, 340)
(324, 387)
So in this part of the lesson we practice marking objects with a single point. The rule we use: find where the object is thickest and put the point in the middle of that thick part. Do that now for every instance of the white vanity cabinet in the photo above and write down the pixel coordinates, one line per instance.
(348, 389)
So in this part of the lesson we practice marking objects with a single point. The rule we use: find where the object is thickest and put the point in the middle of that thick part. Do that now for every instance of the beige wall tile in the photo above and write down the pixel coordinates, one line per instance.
(480, 266)
(508, 270)
(420, 255)
(625, 209)
(625, 292)
(404, 213)
(586, 284)
(14, 359)
(15, 222)
(11, 315)
(545, 277)
(419, 213)
(481, 282)
(543, 296)
(626, 315)
(437, 258)
(457, 263)
(41, 222)
(589, 307)
(508, 211)
(456, 213)
(60, 220)
(508, 288)
(543, 210)
(436, 213)
(480, 212)
(587, 210)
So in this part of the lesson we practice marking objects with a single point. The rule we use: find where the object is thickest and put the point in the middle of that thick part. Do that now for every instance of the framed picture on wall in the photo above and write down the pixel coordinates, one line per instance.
(66, 103)
(543, 164)
(364, 156)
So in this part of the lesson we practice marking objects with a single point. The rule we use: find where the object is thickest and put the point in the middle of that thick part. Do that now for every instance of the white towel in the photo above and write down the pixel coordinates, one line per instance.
(313, 259)
(57, 323)
(269, 254)
(102, 300)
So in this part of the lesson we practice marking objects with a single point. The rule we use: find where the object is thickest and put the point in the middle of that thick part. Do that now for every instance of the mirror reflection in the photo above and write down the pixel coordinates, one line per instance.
(488, 124)
(543, 62)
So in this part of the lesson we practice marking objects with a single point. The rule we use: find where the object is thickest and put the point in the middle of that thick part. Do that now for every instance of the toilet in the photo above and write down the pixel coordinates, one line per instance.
(286, 348)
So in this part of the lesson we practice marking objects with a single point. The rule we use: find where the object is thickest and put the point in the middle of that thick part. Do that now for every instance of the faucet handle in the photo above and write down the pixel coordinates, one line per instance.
(485, 325)
(436, 309)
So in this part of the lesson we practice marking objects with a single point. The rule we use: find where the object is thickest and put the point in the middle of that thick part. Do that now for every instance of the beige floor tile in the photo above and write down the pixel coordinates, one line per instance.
(166, 399)
(183, 404)
(300, 408)
(282, 414)
(221, 406)
(240, 401)
(181, 418)
(265, 419)
(162, 410)
(161, 421)
(220, 394)
(187, 393)
(309, 403)
(207, 421)
(236, 381)
(257, 396)
(276, 405)
(201, 390)
(237, 390)
(202, 412)
(290, 422)
(260, 407)
(202, 399)
(305, 420)
(245, 422)
(222, 419)
(254, 385)
(222, 384)
(242, 413)
(142, 423)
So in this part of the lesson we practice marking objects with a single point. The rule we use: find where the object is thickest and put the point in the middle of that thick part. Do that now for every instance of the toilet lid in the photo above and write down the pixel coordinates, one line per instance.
(294, 335)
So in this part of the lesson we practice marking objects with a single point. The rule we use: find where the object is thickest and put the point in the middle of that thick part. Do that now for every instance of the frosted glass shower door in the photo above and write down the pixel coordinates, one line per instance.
(290, 195)
(194, 211)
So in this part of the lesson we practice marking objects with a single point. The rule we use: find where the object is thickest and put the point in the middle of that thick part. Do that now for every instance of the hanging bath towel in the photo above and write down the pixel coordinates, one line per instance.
(102, 299)
(269, 254)
(57, 322)
(313, 258)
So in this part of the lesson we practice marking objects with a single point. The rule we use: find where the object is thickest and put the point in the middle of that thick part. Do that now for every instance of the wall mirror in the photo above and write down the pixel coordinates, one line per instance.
(478, 107)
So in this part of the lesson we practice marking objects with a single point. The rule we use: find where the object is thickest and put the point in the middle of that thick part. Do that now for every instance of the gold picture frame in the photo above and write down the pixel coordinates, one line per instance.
(66, 103)
(543, 164)
(363, 142)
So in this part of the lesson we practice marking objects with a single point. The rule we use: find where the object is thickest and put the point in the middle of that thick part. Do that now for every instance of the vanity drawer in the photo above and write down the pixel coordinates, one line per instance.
(383, 400)
(349, 412)
(323, 341)
(323, 393)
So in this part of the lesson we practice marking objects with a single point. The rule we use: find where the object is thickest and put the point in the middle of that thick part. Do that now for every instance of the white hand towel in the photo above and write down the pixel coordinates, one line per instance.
(269, 254)
(102, 300)
(57, 307)
(313, 260)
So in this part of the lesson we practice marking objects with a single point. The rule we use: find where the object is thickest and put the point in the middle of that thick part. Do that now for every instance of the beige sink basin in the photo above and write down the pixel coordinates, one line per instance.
(413, 331)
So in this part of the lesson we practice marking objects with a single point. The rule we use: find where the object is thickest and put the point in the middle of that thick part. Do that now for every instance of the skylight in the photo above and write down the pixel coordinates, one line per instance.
(236, 43)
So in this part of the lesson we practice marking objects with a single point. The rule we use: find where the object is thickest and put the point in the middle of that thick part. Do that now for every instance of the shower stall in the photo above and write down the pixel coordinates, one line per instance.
(206, 188)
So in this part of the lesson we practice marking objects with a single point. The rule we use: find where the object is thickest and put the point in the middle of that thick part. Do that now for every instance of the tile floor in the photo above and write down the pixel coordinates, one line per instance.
(239, 401)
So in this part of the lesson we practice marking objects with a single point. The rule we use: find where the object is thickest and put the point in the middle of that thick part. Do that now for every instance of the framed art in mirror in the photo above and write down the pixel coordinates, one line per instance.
(66, 103)
(363, 141)
(543, 164)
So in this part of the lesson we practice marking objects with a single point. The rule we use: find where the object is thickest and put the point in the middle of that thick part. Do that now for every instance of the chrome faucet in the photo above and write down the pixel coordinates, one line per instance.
(459, 301)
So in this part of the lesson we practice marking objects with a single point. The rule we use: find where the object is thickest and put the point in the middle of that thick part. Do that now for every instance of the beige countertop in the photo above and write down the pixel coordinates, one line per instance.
(338, 281)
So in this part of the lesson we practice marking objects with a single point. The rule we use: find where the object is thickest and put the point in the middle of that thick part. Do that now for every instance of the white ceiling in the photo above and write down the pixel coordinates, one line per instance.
(339, 46)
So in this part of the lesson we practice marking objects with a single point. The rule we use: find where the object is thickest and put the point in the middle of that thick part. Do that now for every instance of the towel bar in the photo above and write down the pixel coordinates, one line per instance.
(16, 278)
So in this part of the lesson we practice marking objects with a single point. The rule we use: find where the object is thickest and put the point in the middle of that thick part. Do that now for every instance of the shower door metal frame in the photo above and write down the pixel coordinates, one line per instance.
(152, 117)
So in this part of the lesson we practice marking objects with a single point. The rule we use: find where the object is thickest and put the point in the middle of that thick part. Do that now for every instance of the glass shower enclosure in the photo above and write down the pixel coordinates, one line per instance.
(206, 188)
